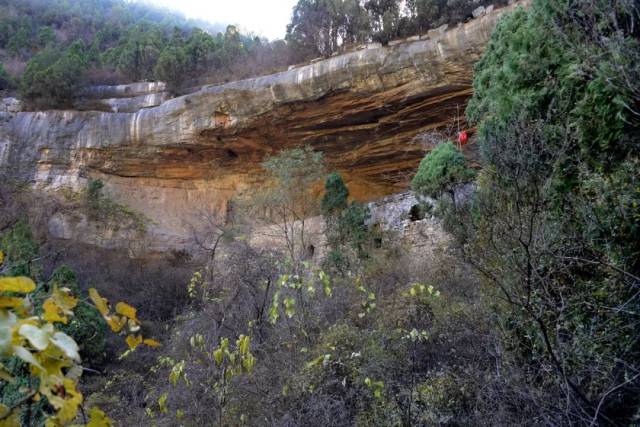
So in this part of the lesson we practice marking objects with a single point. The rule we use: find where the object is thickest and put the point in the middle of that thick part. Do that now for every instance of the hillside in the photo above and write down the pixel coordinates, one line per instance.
(51, 49)
(432, 219)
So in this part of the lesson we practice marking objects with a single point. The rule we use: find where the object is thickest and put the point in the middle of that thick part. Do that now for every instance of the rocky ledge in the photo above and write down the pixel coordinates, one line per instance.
(363, 109)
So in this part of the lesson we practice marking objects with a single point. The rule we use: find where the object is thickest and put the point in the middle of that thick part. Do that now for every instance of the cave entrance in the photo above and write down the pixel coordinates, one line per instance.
(311, 250)
(416, 213)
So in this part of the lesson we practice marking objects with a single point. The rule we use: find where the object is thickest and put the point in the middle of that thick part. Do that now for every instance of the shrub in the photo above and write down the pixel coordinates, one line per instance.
(441, 171)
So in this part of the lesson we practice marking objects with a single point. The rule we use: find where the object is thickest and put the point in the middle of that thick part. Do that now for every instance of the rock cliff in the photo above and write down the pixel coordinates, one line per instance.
(363, 109)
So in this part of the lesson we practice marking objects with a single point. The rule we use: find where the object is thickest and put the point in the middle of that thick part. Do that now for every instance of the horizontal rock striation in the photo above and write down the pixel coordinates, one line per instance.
(363, 109)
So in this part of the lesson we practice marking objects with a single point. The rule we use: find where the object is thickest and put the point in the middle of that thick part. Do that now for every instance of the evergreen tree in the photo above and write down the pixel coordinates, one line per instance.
(441, 171)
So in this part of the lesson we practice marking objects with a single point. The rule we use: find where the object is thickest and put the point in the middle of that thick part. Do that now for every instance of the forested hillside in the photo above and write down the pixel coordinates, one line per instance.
(49, 50)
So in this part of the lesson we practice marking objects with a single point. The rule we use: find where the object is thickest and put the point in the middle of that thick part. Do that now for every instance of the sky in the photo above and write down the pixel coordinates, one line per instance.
(267, 18)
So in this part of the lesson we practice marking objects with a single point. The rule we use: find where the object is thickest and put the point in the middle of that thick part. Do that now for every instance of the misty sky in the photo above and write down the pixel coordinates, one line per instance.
(268, 18)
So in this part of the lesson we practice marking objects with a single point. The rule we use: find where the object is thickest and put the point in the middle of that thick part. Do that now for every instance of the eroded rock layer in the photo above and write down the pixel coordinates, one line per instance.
(363, 109)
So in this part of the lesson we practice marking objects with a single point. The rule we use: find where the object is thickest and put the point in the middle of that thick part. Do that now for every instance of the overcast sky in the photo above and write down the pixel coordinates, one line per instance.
(268, 18)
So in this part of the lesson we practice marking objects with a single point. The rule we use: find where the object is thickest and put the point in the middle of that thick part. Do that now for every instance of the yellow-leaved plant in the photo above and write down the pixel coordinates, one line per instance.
(52, 356)
(231, 361)
(123, 321)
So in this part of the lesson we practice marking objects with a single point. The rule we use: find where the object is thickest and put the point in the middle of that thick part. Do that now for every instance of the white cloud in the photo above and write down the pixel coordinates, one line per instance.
(268, 18)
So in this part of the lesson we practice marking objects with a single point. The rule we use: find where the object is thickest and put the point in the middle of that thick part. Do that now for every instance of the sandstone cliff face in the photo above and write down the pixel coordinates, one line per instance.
(362, 109)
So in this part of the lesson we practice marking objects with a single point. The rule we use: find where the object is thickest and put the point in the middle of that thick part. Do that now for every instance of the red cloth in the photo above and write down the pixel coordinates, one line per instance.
(463, 137)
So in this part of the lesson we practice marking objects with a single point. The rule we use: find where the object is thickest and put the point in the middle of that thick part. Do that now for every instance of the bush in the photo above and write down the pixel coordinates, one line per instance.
(441, 171)
(336, 195)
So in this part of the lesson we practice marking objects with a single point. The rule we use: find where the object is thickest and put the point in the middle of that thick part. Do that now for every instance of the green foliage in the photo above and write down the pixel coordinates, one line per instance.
(441, 171)
(41, 367)
(322, 27)
(287, 200)
(554, 225)
(171, 67)
(20, 250)
(318, 27)
(336, 195)
(124, 42)
(21, 259)
(6, 81)
(295, 170)
(94, 191)
(53, 78)
(574, 79)
(346, 229)
(86, 327)
(231, 362)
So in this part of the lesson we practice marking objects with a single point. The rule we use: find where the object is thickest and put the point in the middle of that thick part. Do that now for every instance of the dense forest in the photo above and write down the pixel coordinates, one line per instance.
(50, 49)
(528, 316)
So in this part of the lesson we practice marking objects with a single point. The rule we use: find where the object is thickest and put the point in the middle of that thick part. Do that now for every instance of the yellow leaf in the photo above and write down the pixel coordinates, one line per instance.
(17, 284)
(152, 343)
(65, 299)
(66, 403)
(134, 341)
(116, 323)
(59, 305)
(126, 310)
(5, 376)
(10, 302)
(1, 257)
(101, 304)
(26, 355)
(97, 418)
(12, 421)
(162, 403)
(218, 356)
(53, 313)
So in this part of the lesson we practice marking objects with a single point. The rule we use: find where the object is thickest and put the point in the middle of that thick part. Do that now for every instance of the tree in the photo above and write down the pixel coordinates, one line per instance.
(441, 171)
(320, 27)
(138, 52)
(345, 224)
(336, 195)
(171, 67)
(45, 36)
(286, 200)
(6, 81)
(53, 78)
(554, 227)
(385, 17)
